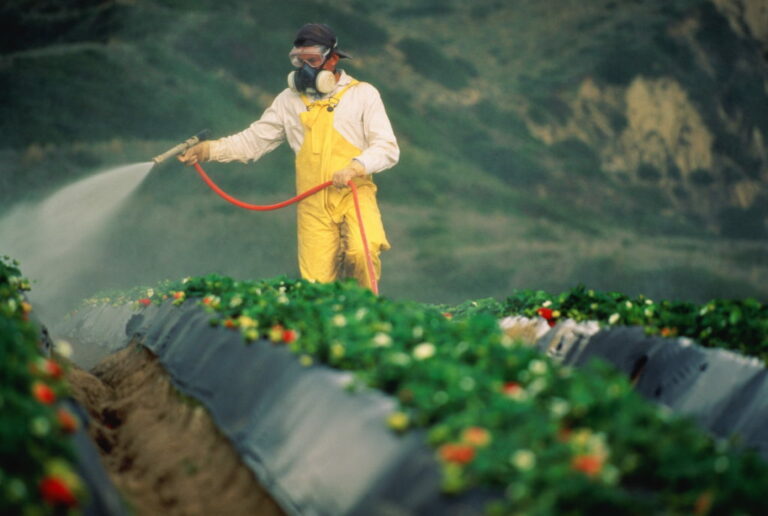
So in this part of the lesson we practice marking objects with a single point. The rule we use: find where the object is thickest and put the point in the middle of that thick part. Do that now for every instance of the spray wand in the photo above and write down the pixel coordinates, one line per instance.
(183, 146)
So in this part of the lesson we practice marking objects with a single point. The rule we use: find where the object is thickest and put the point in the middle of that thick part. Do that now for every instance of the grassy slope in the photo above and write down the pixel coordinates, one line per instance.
(477, 205)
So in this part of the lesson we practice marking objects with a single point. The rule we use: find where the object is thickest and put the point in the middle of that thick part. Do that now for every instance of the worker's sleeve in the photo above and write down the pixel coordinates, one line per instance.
(263, 136)
(381, 149)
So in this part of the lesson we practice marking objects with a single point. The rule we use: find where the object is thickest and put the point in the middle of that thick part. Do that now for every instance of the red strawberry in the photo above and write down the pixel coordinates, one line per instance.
(145, 301)
(457, 453)
(45, 367)
(43, 393)
(512, 388)
(668, 332)
(67, 421)
(289, 336)
(52, 369)
(56, 492)
(211, 300)
(546, 313)
(590, 465)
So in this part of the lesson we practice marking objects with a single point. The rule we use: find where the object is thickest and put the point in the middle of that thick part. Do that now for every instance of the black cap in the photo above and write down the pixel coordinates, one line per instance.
(318, 34)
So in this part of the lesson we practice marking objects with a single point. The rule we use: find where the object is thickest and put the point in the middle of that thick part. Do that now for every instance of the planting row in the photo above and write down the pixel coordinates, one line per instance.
(500, 415)
(739, 325)
(37, 461)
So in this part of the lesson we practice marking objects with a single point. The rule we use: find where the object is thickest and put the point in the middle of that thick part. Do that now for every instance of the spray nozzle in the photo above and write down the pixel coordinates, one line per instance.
(178, 149)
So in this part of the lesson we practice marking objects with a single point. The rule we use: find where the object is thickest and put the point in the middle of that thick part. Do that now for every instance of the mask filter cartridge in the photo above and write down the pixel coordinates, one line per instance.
(311, 80)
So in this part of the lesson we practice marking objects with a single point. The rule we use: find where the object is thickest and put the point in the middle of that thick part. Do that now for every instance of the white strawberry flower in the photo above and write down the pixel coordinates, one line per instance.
(424, 351)
(63, 348)
(382, 340)
(524, 460)
(559, 407)
(538, 366)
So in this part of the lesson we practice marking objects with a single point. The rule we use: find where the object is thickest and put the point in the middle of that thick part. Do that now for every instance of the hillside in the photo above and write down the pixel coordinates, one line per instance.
(619, 144)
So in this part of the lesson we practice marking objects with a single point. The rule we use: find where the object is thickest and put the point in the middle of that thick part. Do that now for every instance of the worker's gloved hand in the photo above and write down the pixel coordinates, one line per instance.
(343, 176)
(197, 153)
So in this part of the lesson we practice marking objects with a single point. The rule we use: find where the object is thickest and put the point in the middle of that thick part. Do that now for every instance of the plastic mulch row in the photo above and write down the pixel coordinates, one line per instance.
(727, 393)
(317, 448)
(321, 450)
(103, 497)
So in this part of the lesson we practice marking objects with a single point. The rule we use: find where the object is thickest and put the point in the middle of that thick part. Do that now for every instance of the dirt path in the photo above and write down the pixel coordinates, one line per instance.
(163, 452)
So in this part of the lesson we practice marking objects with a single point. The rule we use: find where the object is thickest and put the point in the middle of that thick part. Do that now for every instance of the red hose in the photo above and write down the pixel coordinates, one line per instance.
(368, 260)
(311, 191)
(257, 207)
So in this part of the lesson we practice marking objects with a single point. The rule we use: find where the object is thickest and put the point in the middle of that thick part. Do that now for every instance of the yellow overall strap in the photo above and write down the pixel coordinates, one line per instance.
(331, 101)
(320, 140)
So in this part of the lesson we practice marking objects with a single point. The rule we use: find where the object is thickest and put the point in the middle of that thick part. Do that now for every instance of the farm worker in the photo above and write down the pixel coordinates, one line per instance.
(339, 130)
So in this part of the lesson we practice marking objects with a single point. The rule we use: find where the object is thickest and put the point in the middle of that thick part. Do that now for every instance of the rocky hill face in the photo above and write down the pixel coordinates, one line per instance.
(690, 123)
(748, 18)
(711, 150)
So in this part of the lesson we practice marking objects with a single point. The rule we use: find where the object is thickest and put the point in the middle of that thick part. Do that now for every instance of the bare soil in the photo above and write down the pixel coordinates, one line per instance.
(162, 450)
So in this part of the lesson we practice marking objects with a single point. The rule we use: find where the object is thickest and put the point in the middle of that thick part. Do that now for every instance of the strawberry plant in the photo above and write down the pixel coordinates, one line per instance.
(36, 461)
(738, 325)
(546, 438)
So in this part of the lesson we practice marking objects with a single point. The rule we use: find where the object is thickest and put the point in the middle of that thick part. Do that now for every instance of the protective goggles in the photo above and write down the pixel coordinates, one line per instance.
(313, 56)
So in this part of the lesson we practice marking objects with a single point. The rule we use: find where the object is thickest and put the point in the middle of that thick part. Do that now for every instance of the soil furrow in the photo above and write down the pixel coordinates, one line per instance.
(162, 450)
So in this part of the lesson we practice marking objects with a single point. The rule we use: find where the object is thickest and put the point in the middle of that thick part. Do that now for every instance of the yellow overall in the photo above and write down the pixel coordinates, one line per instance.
(329, 242)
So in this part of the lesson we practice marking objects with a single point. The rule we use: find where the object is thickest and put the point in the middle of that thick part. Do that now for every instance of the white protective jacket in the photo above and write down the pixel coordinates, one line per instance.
(280, 121)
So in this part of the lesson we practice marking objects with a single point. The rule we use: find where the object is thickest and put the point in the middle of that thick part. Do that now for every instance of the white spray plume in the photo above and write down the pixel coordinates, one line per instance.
(51, 238)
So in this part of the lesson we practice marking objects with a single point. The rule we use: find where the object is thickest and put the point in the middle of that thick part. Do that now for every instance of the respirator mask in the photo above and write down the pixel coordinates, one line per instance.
(308, 76)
